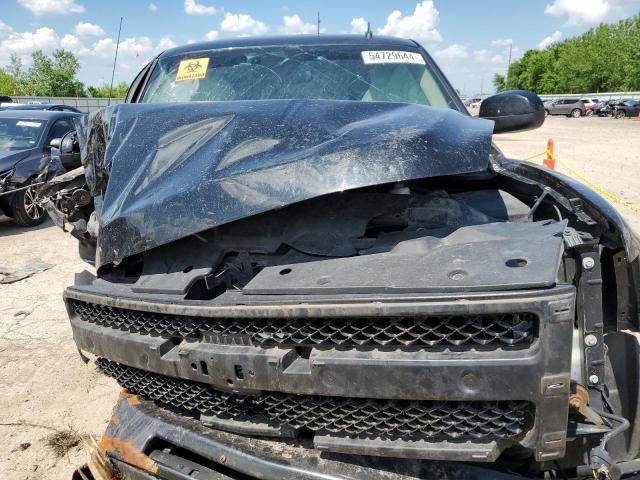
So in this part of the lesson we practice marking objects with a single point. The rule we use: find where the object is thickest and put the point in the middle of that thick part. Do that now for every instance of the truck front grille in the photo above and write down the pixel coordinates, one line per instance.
(430, 332)
(374, 418)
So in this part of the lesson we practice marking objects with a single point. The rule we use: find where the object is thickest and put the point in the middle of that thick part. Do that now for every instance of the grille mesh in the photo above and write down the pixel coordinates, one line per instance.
(391, 419)
(490, 331)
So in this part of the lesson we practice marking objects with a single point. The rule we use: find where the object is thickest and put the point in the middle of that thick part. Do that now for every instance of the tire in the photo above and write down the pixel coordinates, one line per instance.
(547, 113)
(590, 113)
(25, 210)
(576, 113)
(620, 114)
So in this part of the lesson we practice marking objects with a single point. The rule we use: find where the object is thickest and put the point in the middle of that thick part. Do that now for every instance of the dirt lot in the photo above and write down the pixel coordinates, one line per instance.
(47, 388)
(605, 150)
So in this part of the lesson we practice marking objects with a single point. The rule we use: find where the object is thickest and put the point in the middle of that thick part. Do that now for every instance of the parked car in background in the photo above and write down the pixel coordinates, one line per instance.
(570, 107)
(54, 107)
(602, 109)
(627, 108)
(590, 105)
(588, 102)
(469, 101)
(25, 138)
(5, 100)
(591, 109)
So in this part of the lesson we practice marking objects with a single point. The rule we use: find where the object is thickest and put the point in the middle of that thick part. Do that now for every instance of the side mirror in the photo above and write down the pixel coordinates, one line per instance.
(70, 151)
(513, 110)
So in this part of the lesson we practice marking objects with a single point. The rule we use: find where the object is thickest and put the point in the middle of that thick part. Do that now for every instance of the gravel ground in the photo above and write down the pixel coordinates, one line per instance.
(45, 386)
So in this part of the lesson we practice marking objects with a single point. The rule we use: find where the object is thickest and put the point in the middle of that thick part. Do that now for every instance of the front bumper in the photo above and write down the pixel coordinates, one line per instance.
(144, 442)
(538, 373)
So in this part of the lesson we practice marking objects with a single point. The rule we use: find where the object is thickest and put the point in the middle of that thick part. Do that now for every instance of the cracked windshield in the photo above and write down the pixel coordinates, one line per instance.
(19, 134)
(331, 73)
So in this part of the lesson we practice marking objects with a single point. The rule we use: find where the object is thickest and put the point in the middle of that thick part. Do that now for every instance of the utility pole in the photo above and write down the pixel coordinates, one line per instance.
(509, 64)
(318, 24)
(481, 86)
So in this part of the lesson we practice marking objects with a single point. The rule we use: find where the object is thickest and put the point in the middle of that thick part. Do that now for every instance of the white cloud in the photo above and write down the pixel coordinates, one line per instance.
(153, 7)
(4, 29)
(211, 35)
(133, 54)
(23, 43)
(419, 26)
(129, 48)
(165, 43)
(502, 42)
(293, 24)
(481, 55)
(88, 30)
(359, 25)
(52, 7)
(454, 51)
(96, 57)
(550, 40)
(580, 11)
(73, 43)
(243, 24)
(497, 59)
(191, 7)
(105, 47)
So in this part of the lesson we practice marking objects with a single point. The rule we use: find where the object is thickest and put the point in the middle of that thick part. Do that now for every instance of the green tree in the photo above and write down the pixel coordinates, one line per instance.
(64, 67)
(7, 83)
(16, 72)
(499, 82)
(119, 91)
(48, 76)
(605, 58)
(37, 80)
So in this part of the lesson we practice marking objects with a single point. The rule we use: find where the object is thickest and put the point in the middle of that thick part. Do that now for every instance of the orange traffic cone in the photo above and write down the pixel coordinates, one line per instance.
(550, 161)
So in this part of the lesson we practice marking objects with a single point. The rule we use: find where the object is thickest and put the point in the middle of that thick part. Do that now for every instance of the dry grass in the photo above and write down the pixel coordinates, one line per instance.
(62, 441)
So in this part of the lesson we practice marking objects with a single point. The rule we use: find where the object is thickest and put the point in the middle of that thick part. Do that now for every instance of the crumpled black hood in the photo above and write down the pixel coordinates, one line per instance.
(163, 172)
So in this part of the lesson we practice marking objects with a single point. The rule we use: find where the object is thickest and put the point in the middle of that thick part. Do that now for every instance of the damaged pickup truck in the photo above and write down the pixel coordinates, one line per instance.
(311, 262)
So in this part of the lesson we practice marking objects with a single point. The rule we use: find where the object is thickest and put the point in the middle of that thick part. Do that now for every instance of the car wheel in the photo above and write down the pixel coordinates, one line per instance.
(547, 113)
(619, 114)
(576, 113)
(590, 113)
(25, 209)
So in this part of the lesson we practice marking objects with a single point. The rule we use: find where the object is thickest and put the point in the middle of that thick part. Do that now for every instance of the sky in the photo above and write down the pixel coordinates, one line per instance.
(470, 39)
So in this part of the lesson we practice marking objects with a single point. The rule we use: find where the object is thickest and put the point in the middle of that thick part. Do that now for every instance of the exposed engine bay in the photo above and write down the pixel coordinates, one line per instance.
(412, 239)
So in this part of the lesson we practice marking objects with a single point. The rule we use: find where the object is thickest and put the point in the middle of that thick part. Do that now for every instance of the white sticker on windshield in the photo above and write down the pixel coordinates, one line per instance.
(22, 123)
(371, 57)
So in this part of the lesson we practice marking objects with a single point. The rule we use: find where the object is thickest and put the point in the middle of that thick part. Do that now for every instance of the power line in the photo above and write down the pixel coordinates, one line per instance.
(115, 59)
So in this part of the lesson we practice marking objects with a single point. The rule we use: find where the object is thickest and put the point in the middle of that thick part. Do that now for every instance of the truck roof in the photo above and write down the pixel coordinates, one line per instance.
(284, 40)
